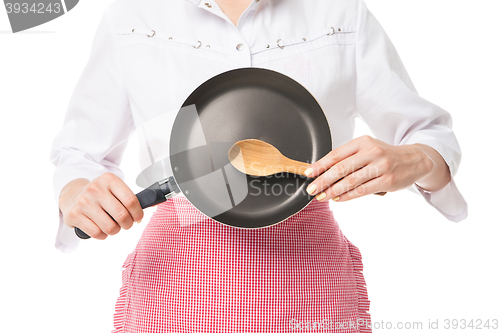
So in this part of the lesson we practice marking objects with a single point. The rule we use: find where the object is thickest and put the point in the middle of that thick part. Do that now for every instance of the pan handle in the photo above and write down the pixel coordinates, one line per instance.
(151, 196)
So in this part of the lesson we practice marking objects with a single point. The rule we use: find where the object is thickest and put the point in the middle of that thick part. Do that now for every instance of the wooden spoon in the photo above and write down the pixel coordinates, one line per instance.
(259, 158)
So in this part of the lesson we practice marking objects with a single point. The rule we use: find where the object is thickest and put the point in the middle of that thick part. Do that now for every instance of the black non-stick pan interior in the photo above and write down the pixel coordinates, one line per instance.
(247, 103)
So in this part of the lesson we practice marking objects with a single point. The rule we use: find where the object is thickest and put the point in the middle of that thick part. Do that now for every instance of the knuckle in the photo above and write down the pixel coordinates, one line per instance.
(121, 217)
(92, 188)
(336, 190)
(361, 189)
(377, 151)
(111, 229)
(107, 177)
(72, 215)
(351, 180)
(94, 233)
(344, 188)
(341, 167)
(83, 201)
(366, 138)
(130, 201)
(333, 154)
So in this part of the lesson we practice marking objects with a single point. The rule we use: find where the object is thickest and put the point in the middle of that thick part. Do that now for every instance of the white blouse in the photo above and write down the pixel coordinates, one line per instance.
(149, 55)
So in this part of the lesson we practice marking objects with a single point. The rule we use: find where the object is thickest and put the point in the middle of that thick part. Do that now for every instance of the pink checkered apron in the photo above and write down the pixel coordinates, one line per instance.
(204, 276)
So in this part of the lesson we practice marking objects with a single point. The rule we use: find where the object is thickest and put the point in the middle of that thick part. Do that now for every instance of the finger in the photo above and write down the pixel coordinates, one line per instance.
(118, 212)
(349, 182)
(337, 172)
(128, 199)
(372, 186)
(90, 228)
(332, 158)
(103, 220)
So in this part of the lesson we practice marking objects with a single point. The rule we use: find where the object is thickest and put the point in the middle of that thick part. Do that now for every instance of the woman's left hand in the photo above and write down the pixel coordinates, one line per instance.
(366, 165)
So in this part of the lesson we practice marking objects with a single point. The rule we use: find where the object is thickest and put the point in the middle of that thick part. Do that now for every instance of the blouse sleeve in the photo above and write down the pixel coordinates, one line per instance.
(390, 105)
(97, 124)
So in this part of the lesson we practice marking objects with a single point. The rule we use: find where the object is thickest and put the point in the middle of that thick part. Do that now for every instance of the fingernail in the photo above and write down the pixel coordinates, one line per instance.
(336, 198)
(139, 221)
(308, 172)
(311, 189)
(321, 196)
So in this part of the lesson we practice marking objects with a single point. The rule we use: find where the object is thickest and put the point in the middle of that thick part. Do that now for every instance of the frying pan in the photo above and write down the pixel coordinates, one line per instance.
(245, 103)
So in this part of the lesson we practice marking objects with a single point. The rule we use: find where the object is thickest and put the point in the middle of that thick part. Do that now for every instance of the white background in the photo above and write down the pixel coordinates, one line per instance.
(418, 265)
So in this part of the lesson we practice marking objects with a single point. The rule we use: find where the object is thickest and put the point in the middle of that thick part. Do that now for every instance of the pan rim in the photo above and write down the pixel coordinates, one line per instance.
(291, 80)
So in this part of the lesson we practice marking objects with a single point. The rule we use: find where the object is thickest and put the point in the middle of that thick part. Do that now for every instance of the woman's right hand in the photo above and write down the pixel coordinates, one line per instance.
(100, 207)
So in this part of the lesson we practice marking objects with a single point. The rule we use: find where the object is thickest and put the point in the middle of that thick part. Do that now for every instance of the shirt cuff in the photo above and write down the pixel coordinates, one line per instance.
(448, 200)
(66, 239)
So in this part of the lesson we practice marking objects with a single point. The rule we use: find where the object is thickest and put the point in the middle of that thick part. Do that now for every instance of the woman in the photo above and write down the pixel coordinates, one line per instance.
(190, 273)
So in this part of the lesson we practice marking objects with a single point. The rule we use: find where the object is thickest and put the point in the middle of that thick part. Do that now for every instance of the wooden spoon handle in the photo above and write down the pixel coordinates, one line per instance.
(299, 168)
(296, 167)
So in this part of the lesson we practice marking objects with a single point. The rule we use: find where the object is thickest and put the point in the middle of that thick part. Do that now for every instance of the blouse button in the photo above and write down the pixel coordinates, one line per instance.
(240, 47)
(208, 4)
